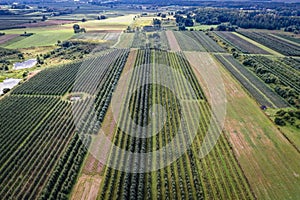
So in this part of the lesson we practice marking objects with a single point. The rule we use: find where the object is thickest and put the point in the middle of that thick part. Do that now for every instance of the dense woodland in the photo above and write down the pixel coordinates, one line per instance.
(288, 19)
(249, 19)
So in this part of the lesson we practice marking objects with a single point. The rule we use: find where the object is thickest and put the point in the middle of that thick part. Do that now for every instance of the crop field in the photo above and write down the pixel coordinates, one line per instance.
(90, 177)
(48, 23)
(260, 148)
(205, 41)
(202, 27)
(46, 82)
(289, 130)
(240, 44)
(260, 92)
(46, 38)
(284, 79)
(90, 36)
(29, 166)
(12, 23)
(216, 176)
(289, 37)
(142, 21)
(272, 42)
(149, 100)
(5, 38)
(139, 40)
(291, 62)
(156, 40)
(126, 40)
(114, 23)
(13, 40)
(187, 43)
(174, 46)
(287, 75)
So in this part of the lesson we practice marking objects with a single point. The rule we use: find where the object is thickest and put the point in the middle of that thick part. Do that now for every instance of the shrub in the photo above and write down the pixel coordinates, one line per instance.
(279, 121)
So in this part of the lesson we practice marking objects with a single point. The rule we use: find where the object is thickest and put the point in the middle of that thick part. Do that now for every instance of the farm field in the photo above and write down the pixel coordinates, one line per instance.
(286, 38)
(291, 62)
(202, 27)
(125, 41)
(41, 38)
(12, 22)
(91, 37)
(272, 42)
(157, 40)
(212, 183)
(115, 23)
(283, 78)
(240, 44)
(265, 156)
(187, 43)
(205, 41)
(149, 100)
(5, 38)
(270, 50)
(14, 39)
(174, 46)
(288, 75)
(290, 38)
(48, 23)
(142, 21)
(291, 133)
(259, 91)
(47, 125)
(91, 175)
(48, 36)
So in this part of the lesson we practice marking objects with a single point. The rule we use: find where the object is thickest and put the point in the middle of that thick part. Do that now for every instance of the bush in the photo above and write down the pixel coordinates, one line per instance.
(280, 113)
(279, 121)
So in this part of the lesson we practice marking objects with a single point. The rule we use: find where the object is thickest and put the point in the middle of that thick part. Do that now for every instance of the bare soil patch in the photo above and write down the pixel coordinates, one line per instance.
(86, 188)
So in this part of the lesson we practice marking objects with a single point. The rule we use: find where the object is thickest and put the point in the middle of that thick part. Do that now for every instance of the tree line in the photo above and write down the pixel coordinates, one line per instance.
(260, 19)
